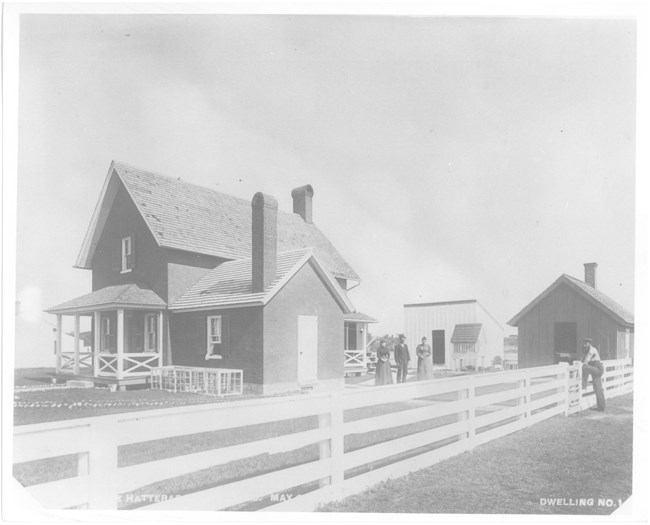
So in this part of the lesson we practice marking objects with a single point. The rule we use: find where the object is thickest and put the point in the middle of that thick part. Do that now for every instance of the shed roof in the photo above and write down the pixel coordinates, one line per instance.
(122, 295)
(193, 218)
(230, 284)
(593, 295)
(466, 333)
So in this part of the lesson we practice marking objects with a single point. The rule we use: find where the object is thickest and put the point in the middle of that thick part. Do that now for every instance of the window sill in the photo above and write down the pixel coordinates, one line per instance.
(213, 357)
(128, 270)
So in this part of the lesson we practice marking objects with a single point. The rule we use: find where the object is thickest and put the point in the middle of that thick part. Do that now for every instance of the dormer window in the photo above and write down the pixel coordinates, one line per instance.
(127, 254)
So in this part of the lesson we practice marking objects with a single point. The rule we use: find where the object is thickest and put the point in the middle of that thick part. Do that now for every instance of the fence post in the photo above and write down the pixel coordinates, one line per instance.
(527, 385)
(567, 387)
(466, 396)
(325, 445)
(102, 464)
(471, 412)
(337, 442)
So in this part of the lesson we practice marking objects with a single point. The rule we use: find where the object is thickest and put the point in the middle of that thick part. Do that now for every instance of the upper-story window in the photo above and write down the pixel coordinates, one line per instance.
(127, 254)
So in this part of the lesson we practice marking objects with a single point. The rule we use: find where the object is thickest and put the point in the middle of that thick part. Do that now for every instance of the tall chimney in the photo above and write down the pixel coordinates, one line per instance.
(302, 201)
(264, 237)
(590, 274)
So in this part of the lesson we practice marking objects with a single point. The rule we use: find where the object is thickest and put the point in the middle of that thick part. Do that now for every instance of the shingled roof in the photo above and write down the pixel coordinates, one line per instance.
(122, 295)
(466, 333)
(193, 218)
(590, 293)
(230, 284)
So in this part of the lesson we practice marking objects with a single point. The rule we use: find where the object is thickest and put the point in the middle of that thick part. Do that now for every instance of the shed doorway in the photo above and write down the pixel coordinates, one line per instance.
(565, 340)
(438, 346)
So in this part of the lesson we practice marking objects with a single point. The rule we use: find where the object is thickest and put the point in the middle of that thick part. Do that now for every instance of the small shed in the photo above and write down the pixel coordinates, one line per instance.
(552, 326)
(462, 333)
(468, 350)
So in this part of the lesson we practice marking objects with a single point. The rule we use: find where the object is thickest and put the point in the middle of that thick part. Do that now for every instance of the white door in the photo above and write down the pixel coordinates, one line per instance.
(307, 349)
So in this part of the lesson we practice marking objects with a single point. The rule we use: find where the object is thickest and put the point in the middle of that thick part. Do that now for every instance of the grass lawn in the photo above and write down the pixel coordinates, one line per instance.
(587, 455)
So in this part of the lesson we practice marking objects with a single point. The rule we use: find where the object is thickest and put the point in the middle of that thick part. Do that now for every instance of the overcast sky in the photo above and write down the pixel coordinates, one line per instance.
(451, 158)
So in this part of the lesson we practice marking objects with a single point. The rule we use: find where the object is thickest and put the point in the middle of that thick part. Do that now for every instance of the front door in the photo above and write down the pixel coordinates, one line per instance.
(438, 346)
(307, 349)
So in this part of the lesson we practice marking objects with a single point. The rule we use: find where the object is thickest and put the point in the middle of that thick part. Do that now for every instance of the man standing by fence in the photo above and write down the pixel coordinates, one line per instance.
(402, 358)
(591, 364)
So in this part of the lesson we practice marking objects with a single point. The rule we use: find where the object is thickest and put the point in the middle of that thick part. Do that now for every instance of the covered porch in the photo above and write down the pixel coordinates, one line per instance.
(125, 340)
(356, 343)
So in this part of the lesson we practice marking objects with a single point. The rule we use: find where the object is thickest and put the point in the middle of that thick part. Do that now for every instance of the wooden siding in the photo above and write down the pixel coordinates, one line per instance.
(420, 321)
(563, 305)
(304, 294)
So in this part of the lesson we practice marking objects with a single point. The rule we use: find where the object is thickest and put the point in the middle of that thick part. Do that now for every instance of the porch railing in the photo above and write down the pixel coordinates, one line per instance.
(67, 362)
(355, 358)
(130, 364)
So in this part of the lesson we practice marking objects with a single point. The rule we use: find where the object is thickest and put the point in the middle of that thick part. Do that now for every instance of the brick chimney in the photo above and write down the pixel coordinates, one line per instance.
(264, 237)
(302, 201)
(590, 274)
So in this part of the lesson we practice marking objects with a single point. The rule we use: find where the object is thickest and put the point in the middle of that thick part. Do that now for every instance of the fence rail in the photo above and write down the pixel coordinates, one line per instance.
(412, 425)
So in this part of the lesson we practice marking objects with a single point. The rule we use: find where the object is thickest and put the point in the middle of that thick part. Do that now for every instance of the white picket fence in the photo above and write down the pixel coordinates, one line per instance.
(412, 426)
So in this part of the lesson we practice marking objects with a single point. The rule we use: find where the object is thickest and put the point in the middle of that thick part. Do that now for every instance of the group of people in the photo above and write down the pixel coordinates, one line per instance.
(383, 372)
(591, 365)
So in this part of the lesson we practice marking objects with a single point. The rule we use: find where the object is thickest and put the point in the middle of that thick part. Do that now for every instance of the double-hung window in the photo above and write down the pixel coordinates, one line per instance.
(127, 254)
(214, 350)
(107, 343)
(150, 326)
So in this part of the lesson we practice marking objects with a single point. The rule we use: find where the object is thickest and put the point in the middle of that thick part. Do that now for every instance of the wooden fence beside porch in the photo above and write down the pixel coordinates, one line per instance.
(425, 422)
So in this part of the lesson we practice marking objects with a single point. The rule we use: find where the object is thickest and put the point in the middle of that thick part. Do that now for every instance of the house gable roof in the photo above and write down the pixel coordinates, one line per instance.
(466, 333)
(193, 218)
(593, 295)
(230, 284)
(132, 295)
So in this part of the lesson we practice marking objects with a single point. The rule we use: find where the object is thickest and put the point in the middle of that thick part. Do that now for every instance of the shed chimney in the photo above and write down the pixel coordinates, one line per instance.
(302, 201)
(590, 274)
(264, 238)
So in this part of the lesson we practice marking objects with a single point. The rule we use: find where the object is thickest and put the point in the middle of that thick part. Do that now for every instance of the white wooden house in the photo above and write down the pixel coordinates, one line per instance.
(461, 333)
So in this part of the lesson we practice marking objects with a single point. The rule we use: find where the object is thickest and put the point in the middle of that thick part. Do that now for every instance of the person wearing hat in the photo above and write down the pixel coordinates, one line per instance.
(402, 358)
(425, 364)
(592, 365)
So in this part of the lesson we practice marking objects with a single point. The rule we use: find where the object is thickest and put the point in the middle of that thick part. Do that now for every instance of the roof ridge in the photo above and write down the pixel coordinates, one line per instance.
(194, 184)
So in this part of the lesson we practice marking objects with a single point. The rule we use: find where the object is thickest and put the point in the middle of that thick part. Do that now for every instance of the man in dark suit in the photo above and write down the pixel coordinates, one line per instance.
(402, 358)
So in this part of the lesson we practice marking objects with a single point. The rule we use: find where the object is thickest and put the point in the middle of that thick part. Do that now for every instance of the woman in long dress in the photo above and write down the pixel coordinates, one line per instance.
(383, 374)
(425, 362)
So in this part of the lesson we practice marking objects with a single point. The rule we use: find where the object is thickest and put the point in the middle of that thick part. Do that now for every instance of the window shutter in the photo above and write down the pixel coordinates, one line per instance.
(225, 336)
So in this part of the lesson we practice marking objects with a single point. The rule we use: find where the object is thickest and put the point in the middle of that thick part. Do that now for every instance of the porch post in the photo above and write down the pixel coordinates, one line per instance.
(97, 330)
(364, 343)
(160, 337)
(59, 340)
(120, 343)
(76, 344)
